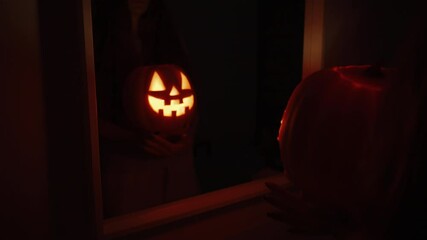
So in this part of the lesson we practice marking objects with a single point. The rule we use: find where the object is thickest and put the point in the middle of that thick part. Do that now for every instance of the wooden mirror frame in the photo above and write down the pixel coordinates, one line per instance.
(189, 207)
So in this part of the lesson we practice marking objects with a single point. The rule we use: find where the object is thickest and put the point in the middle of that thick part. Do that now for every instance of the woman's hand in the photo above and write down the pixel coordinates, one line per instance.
(159, 146)
(124, 140)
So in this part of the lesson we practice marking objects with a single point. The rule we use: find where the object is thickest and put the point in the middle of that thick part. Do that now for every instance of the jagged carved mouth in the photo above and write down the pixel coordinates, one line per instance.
(176, 107)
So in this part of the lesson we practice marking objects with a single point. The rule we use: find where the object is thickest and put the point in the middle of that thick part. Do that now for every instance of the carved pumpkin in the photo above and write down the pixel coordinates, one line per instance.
(159, 99)
(330, 137)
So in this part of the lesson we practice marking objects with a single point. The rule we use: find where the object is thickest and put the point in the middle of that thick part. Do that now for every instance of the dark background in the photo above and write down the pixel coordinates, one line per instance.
(367, 32)
(246, 58)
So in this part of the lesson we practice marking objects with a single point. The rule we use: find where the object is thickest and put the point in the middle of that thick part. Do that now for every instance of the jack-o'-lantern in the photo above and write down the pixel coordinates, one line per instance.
(160, 99)
(331, 135)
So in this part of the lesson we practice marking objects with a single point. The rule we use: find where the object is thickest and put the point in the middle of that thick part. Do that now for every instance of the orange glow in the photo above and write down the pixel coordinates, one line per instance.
(176, 107)
(174, 92)
(156, 83)
(354, 75)
(185, 84)
(158, 104)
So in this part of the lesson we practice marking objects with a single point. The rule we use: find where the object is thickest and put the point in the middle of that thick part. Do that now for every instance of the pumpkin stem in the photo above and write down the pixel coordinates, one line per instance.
(374, 71)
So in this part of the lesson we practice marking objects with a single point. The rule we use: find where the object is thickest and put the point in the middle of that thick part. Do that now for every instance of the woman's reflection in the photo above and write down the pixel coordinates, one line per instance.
(139, 169)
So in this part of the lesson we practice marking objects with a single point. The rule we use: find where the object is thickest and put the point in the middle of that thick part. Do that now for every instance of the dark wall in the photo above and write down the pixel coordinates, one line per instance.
(23, 163)
(221, 40)
(365, 32)
(280, 33)
(45, 179)
(246, 57)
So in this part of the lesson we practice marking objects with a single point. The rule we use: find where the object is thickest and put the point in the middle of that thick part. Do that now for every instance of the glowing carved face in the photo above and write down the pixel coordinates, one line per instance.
(170, 103)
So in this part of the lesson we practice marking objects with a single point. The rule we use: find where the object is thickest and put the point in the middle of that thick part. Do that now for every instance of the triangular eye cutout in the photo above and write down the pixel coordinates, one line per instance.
(185, 84)
(156, 83)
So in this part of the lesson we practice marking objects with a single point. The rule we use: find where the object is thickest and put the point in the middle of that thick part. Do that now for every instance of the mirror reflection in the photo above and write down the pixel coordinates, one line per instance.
(190, 94)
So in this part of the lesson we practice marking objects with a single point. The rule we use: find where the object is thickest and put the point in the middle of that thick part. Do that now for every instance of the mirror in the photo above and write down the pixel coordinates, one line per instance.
(242, 59)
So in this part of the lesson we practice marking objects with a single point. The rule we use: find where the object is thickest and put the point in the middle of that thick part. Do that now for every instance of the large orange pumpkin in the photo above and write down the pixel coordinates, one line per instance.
(160, 99)
(331, 132)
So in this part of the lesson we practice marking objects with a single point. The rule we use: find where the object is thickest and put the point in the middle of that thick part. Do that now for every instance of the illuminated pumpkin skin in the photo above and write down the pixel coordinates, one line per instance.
(160, 99)
(328, 136)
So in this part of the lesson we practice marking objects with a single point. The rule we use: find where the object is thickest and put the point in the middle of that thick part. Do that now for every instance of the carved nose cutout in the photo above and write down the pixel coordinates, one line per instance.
(174, 92)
